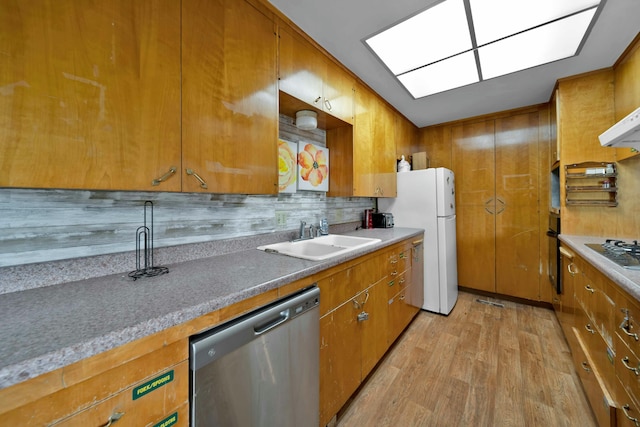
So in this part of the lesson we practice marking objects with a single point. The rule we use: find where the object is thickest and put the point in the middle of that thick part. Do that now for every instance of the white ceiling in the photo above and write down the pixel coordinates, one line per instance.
(340, 26)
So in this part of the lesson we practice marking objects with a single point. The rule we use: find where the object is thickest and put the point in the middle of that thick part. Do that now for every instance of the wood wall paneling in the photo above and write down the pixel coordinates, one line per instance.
(627, 89)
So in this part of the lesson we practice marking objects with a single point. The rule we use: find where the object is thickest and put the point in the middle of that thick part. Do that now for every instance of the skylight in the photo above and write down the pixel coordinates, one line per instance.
(459, 42)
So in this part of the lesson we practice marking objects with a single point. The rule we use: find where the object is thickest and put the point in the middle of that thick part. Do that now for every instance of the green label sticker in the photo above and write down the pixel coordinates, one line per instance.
(169, 421)
(153, 384)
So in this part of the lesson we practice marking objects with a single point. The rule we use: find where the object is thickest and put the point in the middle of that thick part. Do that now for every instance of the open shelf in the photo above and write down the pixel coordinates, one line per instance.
(591, 184)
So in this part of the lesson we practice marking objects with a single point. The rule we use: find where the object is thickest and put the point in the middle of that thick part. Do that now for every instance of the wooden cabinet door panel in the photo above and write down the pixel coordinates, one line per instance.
(337, 93)
(302, 69)
(91, 94)
(473, 158)
(229, 101)
(517, 194)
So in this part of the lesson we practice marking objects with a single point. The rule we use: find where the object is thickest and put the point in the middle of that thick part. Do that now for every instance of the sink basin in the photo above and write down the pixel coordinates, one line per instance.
(320, 248)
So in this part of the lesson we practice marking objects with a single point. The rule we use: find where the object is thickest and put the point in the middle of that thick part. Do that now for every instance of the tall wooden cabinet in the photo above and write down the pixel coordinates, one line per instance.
(90, 94)
(497, 170)
(229, 98)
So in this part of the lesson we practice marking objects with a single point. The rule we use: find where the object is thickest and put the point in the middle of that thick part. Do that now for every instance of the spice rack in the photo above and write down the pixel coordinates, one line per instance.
(591, 184)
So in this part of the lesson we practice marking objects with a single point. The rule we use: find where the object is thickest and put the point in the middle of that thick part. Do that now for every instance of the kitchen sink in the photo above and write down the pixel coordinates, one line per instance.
(320, 248)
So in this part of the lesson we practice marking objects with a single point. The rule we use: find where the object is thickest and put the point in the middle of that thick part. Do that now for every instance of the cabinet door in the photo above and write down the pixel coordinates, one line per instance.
(517, 223)
(374, 164)
(473, 161)
(90, 94)
(340, 359)
(337, 92)
(374, 327)
(301, 69)
(229, 101)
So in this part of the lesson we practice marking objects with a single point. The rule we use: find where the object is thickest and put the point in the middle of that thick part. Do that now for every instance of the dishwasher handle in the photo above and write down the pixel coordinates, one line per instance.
(215, 343)
(263, 327)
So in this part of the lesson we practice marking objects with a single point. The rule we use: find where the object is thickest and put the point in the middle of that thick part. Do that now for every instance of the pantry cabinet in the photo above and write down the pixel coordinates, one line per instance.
(496, 163)
(90, 94)
(229, 98)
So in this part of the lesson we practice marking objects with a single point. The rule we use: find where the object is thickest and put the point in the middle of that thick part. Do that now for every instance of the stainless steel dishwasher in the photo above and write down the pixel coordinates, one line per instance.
(261, 369)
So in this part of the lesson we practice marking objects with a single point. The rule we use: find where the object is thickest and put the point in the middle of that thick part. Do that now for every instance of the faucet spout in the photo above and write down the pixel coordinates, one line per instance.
(302, 226)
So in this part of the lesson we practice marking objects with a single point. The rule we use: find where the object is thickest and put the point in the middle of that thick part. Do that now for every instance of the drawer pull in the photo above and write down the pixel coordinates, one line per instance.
(573, 270)
(589, 288)
(626, 325)
(113, 418)
(625, 408)
(589, 329)
(625, 362)
(586, 367)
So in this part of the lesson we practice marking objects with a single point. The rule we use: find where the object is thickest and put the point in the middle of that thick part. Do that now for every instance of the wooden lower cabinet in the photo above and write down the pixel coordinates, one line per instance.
(144, 390)
(600, 398)
(363, 322)
(163, 404)
(602, 327)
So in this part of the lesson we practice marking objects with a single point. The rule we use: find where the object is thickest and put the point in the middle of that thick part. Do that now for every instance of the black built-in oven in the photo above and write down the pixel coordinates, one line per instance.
(555, 264)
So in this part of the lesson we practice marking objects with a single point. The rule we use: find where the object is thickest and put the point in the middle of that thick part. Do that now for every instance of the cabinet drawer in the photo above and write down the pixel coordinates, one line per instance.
(143, 404)
(627, 369)
(397, 283)
(627, 322)
(67, 401)
(599, 397)
(628, 413)
(599, 353)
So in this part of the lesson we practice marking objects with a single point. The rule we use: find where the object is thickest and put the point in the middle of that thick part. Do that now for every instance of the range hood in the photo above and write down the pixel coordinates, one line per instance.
(625, 133)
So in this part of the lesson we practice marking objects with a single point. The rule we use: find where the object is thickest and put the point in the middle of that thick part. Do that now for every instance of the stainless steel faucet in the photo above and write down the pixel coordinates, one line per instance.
(302, 227)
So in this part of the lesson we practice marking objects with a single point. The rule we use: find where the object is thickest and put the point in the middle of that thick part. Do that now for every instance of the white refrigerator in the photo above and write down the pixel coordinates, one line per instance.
(426, 199)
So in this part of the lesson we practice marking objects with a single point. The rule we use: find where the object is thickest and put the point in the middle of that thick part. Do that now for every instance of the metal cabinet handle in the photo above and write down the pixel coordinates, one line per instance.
(573, 271)
(113, 418)
(203, 184)
(625, 362)
(589, 329)
(589, 288)
(625, 326)
(172, 170)
(586, 366)
(502, 207)
(315, 101)
(393, 273)
(327, 104)
(626, 408)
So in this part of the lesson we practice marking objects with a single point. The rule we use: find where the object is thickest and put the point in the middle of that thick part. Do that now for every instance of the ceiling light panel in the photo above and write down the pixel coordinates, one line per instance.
(419, 40)
(548, 43)
(495, 19)
(451, 73)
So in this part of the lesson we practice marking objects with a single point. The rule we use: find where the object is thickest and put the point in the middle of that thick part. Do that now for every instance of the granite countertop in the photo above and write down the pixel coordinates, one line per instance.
(627, 279)
(48, 328)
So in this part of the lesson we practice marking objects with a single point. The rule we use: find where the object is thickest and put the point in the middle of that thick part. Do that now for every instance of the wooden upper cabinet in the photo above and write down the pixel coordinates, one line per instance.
(374, 165)
(363, 156)
(406, 137)
(90, 94)
(308, 75)
(229, 98)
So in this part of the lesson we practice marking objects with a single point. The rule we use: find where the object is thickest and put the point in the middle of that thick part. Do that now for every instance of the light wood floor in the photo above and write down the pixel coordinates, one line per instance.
(481, 366)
